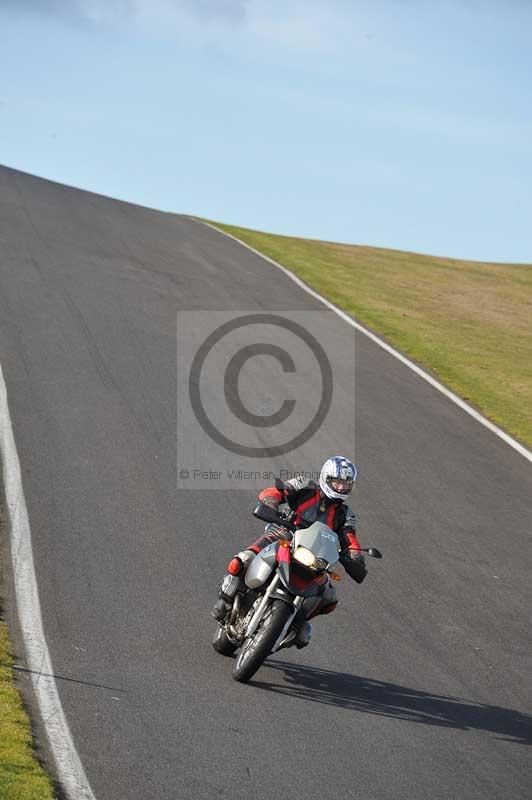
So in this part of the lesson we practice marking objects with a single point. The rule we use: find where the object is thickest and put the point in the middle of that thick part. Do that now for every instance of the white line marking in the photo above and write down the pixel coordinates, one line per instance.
(410, 364)
(69, 768)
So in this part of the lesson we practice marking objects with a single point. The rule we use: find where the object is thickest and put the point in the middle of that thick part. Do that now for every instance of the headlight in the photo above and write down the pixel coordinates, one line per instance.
(306, 557)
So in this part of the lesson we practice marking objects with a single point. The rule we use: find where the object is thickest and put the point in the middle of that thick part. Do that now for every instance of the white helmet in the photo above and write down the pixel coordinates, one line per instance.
(337, 477)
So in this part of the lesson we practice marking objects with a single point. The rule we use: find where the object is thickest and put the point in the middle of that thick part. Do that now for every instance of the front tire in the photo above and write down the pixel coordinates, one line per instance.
(258, 647)
(222, 643)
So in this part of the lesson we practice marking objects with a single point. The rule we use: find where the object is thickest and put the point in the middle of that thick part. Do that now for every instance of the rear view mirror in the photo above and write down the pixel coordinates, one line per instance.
(279, 485)
(374, 552)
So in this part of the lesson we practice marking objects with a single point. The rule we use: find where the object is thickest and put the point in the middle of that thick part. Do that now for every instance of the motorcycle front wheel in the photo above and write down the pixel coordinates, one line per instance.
(257, 648)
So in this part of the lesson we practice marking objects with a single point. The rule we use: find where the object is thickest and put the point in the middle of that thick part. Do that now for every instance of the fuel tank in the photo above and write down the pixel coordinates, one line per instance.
(260, 568)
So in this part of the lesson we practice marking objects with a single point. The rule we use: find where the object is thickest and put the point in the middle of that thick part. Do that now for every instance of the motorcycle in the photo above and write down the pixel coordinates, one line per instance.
(276, 584)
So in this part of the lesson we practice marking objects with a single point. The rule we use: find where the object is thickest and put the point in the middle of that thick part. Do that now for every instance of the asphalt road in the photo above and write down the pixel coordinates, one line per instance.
(419, 685)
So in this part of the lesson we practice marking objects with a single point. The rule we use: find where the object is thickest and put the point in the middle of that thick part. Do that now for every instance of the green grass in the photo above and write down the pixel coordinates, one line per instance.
(468, 322)
(21, 777)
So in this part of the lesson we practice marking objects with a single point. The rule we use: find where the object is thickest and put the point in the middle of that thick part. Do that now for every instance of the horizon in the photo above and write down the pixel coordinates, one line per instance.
(230, 223)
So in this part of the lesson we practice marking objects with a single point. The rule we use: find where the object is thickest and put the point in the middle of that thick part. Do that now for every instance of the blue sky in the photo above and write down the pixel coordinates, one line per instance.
(398, 123)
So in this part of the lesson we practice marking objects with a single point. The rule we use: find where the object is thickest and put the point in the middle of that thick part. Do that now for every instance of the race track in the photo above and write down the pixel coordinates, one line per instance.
(418, 686)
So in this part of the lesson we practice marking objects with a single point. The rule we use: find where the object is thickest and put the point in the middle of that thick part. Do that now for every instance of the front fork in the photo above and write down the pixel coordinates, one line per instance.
(257, 616)
(298, 602)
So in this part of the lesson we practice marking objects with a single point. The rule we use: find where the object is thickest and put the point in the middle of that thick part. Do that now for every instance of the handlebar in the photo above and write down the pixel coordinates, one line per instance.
(269, 514)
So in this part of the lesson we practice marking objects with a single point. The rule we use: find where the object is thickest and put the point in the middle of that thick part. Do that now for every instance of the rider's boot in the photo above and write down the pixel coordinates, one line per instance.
(231, 583)
(309, 609)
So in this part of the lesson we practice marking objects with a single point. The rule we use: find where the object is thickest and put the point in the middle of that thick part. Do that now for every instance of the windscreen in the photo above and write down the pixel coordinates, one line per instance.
(321, 540)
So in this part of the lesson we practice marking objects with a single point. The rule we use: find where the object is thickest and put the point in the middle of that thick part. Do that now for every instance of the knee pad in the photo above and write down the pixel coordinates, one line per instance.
(231, 584)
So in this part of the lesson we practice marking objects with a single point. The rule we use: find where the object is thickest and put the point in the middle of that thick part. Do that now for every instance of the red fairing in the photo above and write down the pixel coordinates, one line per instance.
(353, 543)
(302, 583)
(283, 555)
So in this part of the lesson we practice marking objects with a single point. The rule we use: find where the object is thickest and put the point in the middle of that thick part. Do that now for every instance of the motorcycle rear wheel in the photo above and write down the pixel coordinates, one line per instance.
(222, 643)
(258, 647)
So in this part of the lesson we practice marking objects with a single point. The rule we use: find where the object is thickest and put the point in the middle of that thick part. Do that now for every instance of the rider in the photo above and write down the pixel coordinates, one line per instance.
(307, 502)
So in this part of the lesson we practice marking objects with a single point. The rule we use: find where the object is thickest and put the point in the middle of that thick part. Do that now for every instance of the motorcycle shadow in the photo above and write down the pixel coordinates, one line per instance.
(370, 696)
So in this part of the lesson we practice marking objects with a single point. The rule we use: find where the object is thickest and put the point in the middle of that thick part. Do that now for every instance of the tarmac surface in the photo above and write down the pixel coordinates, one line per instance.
(419, 685)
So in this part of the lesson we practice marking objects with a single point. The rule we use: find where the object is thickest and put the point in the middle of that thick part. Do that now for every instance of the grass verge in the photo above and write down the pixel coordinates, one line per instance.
(21, 776)
(468, 322)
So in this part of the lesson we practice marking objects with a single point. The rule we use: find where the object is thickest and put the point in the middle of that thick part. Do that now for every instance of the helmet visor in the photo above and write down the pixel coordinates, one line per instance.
(340, 486)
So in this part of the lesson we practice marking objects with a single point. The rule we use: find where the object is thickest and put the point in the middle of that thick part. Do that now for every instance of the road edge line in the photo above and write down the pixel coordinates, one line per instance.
(509, 440)
(68, 764)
